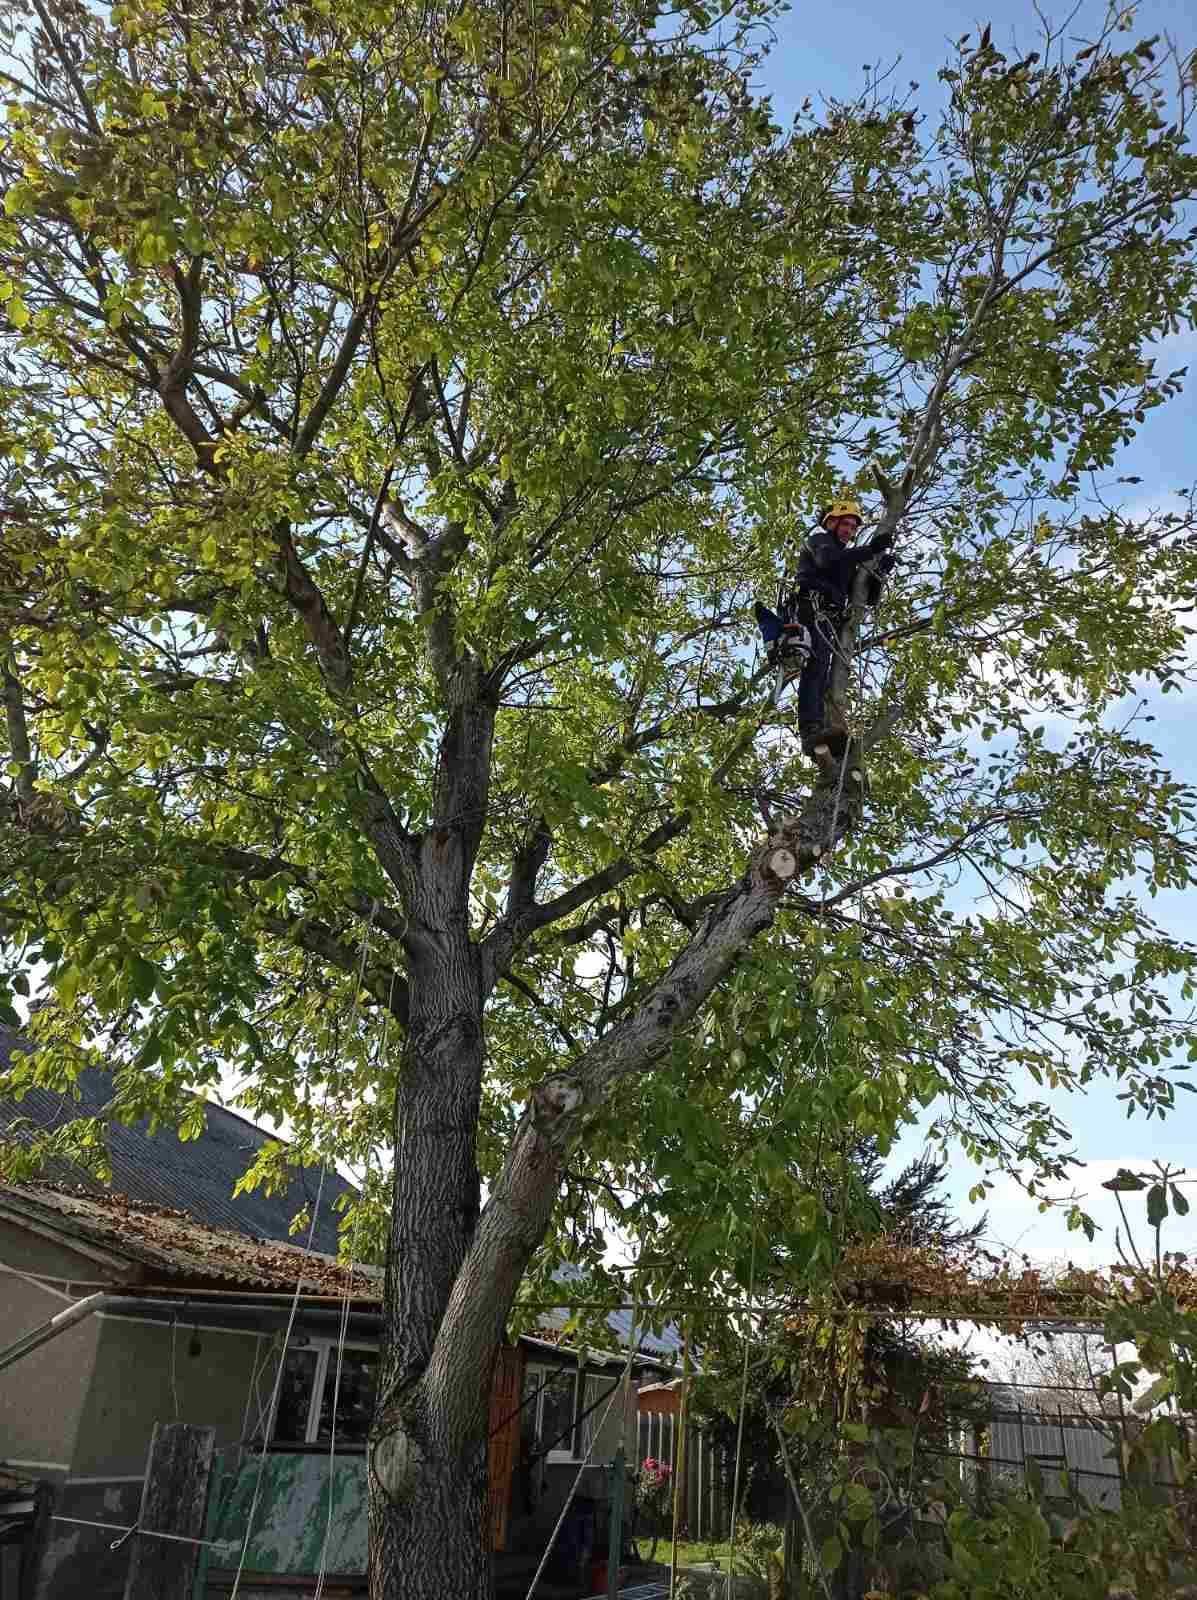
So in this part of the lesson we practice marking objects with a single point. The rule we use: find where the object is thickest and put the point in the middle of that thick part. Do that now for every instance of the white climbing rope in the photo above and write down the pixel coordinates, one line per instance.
(343, 1334)
(354, 1012)
(731, 1547)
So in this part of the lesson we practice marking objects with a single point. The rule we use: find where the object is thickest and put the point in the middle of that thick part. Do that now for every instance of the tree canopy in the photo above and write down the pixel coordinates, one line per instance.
(401, 409)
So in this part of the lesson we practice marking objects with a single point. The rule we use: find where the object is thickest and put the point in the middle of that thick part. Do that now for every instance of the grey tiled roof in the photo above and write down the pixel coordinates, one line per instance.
(195, 1175)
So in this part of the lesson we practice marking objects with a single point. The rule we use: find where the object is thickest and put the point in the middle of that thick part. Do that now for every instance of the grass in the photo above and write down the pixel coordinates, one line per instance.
(691, 1553)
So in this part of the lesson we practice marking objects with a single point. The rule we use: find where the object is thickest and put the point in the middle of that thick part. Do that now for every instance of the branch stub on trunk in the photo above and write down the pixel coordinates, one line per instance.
(398, 1463)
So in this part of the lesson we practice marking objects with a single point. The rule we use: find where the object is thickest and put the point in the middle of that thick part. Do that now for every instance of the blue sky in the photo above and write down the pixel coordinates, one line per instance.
(822, 50)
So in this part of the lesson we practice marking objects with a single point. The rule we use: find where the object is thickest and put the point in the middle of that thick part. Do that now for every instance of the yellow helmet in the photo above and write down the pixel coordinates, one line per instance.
(842, 508)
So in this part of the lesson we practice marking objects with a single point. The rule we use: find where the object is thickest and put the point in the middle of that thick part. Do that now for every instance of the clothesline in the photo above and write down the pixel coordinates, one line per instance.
(146, 1533)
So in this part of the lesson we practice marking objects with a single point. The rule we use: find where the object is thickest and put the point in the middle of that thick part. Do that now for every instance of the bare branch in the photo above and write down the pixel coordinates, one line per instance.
(519, 924)
(530, 993)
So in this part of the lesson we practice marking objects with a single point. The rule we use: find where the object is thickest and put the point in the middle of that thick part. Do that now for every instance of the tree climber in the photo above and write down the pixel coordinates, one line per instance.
(812, 613)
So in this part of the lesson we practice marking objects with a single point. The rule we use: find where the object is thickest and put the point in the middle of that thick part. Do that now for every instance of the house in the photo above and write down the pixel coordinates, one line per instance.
(198, 1175)
(176, 1319)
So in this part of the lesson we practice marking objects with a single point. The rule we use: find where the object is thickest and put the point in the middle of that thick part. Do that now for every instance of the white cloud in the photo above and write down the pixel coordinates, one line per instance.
(1016, 1222)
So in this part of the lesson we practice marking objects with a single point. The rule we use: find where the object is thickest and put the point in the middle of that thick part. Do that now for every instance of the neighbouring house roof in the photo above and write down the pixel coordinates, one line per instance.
(161, 1169)
(665, 1342)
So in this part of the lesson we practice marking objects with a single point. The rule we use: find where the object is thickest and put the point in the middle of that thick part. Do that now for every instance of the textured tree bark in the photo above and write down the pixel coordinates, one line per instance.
(431, 1547)
(428, 1452)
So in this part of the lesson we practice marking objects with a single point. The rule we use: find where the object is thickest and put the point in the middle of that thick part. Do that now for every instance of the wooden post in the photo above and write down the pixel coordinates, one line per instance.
(173, 1501)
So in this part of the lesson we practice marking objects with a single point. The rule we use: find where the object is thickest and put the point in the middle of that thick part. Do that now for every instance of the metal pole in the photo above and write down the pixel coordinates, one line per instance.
(615, 1522)
(1022, 1445)
(50, 1330)
(679, 1470)
(698, 1500)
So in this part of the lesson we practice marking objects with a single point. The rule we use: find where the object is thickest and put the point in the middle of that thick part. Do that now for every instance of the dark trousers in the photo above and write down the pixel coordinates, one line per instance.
(816, 675)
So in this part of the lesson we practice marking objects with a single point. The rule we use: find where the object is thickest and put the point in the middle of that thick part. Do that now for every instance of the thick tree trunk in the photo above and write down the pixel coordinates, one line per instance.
(451, 1280)
(432, 1547)
(428, 1460)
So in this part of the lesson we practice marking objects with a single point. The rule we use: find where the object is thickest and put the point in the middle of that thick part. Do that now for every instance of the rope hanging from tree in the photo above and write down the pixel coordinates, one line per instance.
(731, 1550)
(354, 1012)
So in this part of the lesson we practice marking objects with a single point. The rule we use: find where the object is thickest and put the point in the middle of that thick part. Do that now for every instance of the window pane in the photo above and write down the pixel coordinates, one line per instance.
(355, 1396)
(533, 1378)
(557, 1412)
(596, 1393)
(295, 1396)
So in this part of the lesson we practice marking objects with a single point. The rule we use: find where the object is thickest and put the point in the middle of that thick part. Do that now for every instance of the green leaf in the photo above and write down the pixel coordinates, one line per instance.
(502, 810)
(20, 200)
(1124, 1182)
(142, 978)
(1157, 1205)
(831, 1553)
(806, 1213)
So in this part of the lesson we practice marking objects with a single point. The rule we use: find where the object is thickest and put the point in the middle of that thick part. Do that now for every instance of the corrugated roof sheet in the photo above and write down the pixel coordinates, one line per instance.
(171, 1245)
(196, 1174)
(173, 1248)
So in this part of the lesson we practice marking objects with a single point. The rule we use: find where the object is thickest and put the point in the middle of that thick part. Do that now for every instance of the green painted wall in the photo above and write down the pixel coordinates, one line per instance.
(306, 1510)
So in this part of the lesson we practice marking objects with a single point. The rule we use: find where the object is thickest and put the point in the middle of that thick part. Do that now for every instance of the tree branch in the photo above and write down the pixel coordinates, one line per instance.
(530, 993)
(383, 984)
(308, 601)
(18, 727)
(523, 917)
(247, 865)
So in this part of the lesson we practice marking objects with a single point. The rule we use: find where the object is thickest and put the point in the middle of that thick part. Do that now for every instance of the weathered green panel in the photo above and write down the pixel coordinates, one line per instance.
(308, 1507)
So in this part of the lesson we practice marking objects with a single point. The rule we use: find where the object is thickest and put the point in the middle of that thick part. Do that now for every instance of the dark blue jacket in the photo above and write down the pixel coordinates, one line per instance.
(827, 567)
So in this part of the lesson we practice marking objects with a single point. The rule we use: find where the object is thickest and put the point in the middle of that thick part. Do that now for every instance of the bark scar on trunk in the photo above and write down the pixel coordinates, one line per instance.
(554, 1098)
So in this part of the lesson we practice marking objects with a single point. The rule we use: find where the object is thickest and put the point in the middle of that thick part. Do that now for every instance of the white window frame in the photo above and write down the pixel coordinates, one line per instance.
(610, 1382)
(535, 1374)
(324, 1348)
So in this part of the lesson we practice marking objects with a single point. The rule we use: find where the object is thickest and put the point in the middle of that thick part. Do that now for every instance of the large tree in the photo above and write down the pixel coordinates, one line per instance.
(401, 407)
